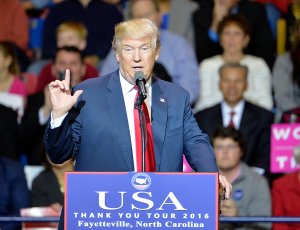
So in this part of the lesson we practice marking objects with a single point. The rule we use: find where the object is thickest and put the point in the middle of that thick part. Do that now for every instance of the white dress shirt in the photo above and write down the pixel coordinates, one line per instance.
(226, 110)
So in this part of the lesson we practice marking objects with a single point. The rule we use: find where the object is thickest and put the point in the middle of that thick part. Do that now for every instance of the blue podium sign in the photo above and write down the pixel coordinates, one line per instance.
(141, 200)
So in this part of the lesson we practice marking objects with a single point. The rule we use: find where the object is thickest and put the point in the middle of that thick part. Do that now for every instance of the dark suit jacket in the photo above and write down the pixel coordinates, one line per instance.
(32, 132)
(46, 189)
(98, 136)
(255, 127)
(261, 41)
(13, 193)
(9, 133)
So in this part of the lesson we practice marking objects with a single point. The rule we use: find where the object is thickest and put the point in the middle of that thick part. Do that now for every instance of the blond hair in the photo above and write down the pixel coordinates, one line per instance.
(76, 27)
(136, 28)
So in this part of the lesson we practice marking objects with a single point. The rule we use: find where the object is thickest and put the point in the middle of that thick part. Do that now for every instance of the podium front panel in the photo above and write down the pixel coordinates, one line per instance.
(141, 200)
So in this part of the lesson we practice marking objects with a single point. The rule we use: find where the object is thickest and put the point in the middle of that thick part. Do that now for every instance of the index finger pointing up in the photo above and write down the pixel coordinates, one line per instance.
(67, 79)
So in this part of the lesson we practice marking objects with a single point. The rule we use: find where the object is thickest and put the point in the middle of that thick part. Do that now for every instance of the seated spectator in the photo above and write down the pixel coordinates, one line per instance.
(12, 89)
(208, 16)
(14, 27)
(69, 33)
(286, 196)
(38, 106)
(14, 193)
(286, 77)
(176, 55)
(38, 4)
(292, 18)
(251, 120)
(250, 195)
(281, 5)
(98, 17)
(9, 132)
(234, 35)
(49, 186)
(177, 18)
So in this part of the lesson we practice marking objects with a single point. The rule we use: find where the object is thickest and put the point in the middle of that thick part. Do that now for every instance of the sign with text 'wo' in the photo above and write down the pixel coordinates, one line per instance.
(141, 200)
(285, 140)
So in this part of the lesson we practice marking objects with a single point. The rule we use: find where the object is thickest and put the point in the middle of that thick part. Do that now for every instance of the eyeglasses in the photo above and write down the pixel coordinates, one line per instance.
(129, 50)
(225, 147)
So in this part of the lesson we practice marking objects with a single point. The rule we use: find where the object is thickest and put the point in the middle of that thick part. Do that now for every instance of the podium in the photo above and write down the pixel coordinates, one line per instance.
(141, 200)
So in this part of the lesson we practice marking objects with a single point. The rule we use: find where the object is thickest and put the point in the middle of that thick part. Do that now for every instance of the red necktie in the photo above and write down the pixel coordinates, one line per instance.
(149, 152)
(231, 123)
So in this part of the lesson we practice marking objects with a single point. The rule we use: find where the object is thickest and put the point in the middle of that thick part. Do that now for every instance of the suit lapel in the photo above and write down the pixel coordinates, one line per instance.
(159, 111)
(215, 119)
(247, 118)
(219, 118)
(118, 114)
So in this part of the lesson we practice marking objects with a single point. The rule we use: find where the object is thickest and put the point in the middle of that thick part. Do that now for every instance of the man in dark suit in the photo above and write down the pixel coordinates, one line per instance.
(100, 130)
(9, 133)
(252, 121)
(210, 13)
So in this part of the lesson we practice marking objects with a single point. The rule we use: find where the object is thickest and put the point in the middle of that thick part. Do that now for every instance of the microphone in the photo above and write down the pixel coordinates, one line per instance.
(139, 79)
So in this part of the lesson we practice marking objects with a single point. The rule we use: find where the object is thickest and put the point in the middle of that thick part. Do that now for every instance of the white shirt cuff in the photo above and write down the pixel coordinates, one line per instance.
(55, 123)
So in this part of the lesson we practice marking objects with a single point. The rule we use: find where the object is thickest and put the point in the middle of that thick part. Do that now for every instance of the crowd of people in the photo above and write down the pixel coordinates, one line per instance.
(222, 52)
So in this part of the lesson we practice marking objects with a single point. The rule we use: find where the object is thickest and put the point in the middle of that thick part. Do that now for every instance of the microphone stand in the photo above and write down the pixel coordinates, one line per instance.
(143, 127)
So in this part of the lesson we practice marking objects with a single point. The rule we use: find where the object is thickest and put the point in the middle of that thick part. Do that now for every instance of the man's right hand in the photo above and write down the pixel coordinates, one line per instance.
(60, 94)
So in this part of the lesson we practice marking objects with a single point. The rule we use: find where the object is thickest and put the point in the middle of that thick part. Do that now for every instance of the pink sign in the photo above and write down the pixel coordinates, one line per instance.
(285, 139)
(186, 166)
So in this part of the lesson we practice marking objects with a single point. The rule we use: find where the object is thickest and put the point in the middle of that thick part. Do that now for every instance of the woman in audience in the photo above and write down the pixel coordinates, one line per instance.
(12, 89)
(234, 36)
(286, 76)
(286, 196)
(48, 187)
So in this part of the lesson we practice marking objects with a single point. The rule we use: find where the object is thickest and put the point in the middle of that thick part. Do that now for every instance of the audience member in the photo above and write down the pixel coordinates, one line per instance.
(234, 35)
(177, 18)
(176, 54)
(99, 18)
(49, 186)
(292, 18)
(208, 16)
(39, 106)
(9, 133)
(286, 196)
(38, 4)
(12, 89)
(281, 5)
(251, 120)
(14, 27)
(13, 193)
(250, 194)
(286, 77)
(69, 33)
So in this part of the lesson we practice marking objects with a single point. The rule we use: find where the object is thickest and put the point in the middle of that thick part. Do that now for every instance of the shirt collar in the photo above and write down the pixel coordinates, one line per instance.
(238, 109)
(128, 87)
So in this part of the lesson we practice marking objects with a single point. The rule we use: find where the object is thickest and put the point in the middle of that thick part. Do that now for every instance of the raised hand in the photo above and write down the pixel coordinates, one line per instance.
(60, 94)
(221, 9)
